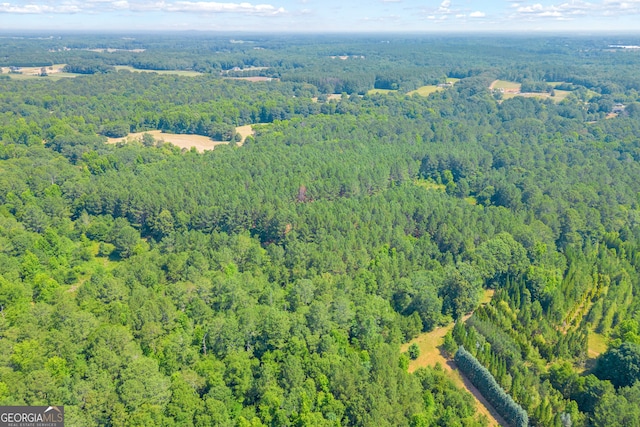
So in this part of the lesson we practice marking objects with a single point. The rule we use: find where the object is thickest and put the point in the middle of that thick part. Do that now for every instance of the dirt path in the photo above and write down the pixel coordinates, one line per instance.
(430, 354)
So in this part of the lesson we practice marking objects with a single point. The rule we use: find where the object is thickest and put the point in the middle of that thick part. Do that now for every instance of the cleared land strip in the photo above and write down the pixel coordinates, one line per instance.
(430, 354)
(199, 142)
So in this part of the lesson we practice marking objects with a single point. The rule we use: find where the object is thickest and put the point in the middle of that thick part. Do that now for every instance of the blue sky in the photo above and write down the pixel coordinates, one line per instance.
(323, 15)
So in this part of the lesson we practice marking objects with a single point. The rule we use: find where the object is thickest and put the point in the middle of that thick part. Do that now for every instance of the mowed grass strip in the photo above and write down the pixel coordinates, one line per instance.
(425, 90)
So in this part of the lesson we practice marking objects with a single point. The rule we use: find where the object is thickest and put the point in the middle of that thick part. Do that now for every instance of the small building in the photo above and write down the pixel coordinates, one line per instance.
(618, 108)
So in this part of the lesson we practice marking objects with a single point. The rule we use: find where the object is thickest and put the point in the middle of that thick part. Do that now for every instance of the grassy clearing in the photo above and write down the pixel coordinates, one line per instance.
(429, 185)
(597, 344)
(425, 90)
(452, 80)
(430, 355)
(505, 85)
(174, 72)
(560, 95)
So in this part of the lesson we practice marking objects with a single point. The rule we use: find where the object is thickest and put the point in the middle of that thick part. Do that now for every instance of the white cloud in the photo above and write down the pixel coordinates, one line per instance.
(78, 6)
(38, 8)
(213, 7)
(477, 14)
(576, 8)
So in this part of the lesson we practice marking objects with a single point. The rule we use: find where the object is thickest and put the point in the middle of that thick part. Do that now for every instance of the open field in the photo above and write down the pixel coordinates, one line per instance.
(559, 95)
(54, 72)
(425, 90)
(199, 142)
(505, 85)
(430, 355)
(174, 72)
(512, 89)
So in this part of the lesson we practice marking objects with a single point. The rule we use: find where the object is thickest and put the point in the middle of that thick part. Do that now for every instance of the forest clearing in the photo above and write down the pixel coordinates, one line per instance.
(199, 142)
(431, 355)
(512, 89)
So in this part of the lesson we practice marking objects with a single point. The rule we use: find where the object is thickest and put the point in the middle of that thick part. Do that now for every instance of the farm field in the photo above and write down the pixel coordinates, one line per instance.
(54, 72)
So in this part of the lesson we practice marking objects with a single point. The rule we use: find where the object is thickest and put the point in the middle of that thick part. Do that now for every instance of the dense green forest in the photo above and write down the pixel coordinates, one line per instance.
(272, 283)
